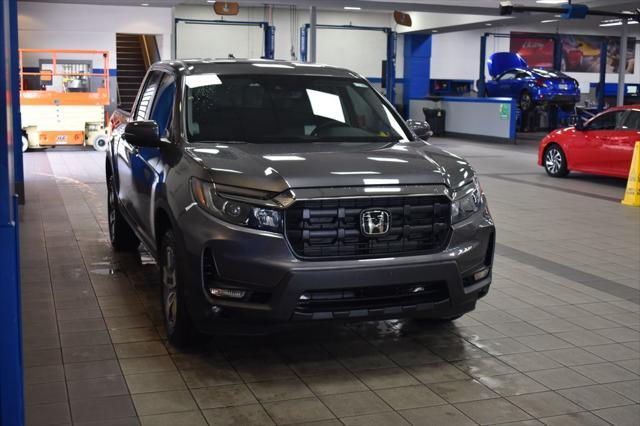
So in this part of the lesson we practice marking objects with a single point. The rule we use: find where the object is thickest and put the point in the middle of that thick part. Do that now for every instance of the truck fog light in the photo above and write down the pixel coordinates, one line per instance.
(481, 274)
(227, 293)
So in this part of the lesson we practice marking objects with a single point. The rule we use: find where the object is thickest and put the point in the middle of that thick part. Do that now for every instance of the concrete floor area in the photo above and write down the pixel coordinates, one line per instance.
(556, 341)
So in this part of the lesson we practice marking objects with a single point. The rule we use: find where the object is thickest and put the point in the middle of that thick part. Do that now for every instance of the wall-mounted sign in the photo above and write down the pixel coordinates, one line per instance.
(226, 8)
(580, 53)
(402, 18)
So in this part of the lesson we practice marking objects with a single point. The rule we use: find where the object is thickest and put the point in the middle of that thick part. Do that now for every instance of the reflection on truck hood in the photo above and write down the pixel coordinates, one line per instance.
(278, 167)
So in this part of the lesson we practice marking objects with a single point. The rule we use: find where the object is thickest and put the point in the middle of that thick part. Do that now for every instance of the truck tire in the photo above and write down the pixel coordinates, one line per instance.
(177, 322)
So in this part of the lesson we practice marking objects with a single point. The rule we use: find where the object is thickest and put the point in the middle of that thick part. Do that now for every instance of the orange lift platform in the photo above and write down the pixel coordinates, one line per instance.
(62, 100)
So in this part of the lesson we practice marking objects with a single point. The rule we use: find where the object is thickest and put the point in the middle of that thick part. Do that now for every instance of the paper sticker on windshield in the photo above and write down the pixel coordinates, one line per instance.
(199, 80)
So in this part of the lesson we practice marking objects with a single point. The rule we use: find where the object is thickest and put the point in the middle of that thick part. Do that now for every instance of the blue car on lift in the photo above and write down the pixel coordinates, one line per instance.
(513, 78)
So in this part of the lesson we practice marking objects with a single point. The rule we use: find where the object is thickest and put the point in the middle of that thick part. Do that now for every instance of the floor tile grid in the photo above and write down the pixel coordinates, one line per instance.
(489, 322)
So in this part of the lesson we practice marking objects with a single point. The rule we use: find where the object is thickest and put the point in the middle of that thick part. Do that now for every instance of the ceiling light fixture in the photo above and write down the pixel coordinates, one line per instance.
(144, 4)
(352, 8)
(551, 1)
(488, 25)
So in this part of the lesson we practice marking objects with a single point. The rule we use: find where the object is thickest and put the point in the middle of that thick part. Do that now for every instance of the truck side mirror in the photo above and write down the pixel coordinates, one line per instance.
(142, 133)
(422, 129)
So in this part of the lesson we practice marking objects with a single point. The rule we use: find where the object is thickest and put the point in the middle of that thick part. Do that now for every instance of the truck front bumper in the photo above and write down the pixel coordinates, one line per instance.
(281, 290)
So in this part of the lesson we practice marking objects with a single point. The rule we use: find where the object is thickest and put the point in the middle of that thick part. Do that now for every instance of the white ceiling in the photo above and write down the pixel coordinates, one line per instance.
(484, 7)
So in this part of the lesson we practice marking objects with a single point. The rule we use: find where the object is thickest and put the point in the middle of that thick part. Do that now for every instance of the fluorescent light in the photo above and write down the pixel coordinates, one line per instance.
(546, 21)
(434, 31)
(488, 25)
(352, 8)
(144, 4)
(551, 1)
(211, 1)
(632, 22)
(611, 24)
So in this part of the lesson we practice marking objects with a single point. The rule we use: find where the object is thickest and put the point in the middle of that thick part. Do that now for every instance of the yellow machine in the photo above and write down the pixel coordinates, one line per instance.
(63, 101)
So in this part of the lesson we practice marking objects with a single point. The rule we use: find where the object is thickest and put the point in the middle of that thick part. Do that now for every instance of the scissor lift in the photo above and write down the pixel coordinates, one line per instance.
(63, 101)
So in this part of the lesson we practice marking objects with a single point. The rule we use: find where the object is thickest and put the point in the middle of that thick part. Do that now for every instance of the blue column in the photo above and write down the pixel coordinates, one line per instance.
(15, 103)
(269, 41)
(304, 31)
(557, 52)
(483, 60)
(11, 385)
(390, 84)
(417, 68)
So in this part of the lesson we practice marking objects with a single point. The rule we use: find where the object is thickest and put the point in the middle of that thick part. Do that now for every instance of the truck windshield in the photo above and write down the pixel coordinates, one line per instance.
(286, 108)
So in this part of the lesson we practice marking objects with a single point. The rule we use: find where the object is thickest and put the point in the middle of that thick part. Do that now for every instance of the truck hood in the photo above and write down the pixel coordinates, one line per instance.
(275, 168)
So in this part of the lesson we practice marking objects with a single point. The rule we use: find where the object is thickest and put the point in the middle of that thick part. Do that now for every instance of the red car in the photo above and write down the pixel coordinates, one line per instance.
(603, 145)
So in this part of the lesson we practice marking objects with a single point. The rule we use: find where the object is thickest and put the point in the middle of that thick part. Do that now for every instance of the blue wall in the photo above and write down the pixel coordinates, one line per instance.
(11, 386)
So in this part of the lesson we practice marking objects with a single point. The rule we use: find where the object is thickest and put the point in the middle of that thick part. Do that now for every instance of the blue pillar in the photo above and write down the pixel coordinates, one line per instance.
(15, 103)
(304, 32)
(417, 68)
(11, 385)
(390, 84)
(269, 41)
(557, 52)
(483, 60)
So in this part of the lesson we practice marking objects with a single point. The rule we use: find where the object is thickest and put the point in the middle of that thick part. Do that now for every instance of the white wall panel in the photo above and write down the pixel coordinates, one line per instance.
(218, 41)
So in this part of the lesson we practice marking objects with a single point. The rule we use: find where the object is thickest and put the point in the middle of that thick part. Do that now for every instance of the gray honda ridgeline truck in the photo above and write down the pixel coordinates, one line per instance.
(273, 193)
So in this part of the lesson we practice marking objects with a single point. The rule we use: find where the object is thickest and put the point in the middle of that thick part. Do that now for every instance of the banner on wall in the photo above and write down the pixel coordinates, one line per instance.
(537, 51)
(580, 53)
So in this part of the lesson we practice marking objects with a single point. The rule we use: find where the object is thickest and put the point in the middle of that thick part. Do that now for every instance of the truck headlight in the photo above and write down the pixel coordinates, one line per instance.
(234, 211)
(468, 201)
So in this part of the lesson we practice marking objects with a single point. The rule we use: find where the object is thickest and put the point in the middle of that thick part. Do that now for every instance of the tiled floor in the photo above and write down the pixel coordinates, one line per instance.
(556, 341)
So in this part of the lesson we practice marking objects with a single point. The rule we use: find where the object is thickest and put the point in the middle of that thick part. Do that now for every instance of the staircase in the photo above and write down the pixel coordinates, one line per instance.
(131, 68)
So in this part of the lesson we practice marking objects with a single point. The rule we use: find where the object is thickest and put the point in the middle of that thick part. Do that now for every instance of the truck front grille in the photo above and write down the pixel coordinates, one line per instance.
(325, 229)
(372, 298)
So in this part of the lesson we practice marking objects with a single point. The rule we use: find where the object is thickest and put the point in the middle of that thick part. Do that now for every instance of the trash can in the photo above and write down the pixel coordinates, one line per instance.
(436, 119)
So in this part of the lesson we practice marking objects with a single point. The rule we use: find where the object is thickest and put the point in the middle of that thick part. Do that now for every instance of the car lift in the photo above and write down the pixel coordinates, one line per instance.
(390, 70)
(269, 32)
(557, 54)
